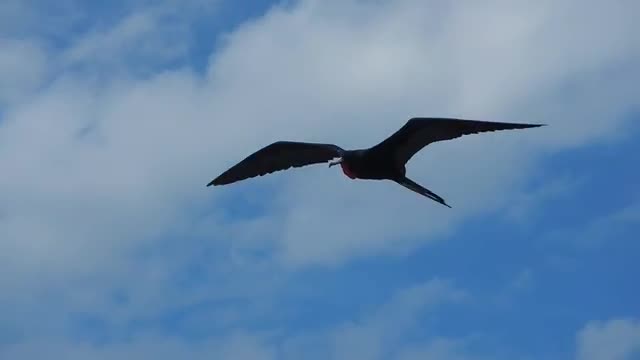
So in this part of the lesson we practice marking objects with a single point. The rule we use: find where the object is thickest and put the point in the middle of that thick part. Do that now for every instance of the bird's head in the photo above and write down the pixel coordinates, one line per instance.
(335, 162)
(345, 168)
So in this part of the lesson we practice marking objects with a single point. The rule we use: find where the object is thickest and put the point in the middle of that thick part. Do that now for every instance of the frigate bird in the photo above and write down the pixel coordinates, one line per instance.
(383, 161)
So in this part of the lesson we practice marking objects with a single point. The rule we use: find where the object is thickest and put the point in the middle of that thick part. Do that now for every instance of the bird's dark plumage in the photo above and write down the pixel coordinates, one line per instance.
(384, 161)
(281, 155)
(420, 132)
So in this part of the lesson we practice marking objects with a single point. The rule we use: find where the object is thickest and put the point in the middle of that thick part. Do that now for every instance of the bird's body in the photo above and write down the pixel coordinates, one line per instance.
(367, 165)
(384, 161)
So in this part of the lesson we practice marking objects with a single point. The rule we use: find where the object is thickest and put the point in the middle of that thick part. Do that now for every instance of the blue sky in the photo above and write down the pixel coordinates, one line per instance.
(113, 118)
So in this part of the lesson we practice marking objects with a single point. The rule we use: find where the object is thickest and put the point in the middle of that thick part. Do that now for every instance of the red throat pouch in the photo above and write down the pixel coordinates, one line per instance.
(347, 171)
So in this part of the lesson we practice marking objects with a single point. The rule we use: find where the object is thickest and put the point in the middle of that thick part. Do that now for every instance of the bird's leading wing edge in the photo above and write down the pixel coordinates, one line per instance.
(280, 155)
(419, 132)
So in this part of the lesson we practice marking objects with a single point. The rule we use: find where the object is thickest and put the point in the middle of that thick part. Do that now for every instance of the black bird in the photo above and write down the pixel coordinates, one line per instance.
(384, 161)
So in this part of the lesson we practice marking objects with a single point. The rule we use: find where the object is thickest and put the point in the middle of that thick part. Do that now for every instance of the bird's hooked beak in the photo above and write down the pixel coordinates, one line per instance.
(335, 162)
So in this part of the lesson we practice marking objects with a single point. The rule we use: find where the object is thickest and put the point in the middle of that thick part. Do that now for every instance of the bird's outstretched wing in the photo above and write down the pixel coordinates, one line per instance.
(421, 131)
(280, 155)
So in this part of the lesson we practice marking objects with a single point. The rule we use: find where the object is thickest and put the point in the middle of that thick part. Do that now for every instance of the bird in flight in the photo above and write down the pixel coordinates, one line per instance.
(383, 161)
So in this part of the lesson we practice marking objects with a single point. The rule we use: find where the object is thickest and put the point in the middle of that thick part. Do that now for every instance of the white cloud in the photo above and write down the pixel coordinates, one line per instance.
(354, 80)
(528, 205)
(376, 334)
(238, 346)
(615, 339)
(603, 229)
(100, 171)
(21, 19)
(440, 349)
(22, 69)
(148, 37)
(383, 331)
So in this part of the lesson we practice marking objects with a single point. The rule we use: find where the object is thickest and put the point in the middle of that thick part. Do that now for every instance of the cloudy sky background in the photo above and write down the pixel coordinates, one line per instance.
(114, 116)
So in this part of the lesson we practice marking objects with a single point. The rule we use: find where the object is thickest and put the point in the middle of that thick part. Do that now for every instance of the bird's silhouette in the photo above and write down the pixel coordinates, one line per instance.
(383, 161)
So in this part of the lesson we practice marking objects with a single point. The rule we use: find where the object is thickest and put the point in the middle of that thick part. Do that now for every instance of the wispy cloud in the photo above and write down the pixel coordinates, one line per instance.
(108, 137)
(144, 41)
(376, 334)
(22, 69)
(605, 228)
(615, 339)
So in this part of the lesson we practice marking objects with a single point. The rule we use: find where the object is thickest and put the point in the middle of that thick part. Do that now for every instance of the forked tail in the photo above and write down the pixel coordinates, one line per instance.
(413, 186)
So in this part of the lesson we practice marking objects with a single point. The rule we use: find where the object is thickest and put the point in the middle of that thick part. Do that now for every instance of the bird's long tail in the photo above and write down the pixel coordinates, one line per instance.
(413, 186)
